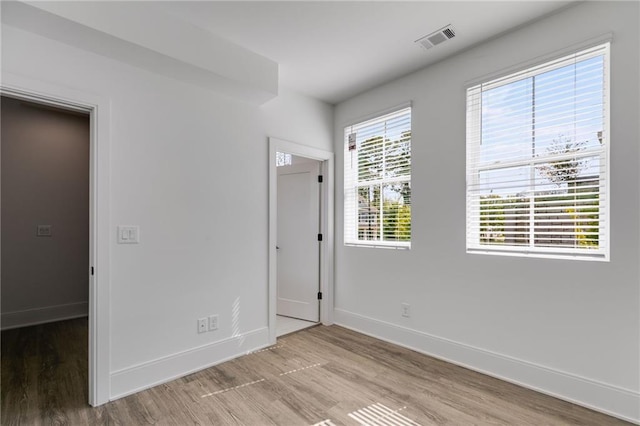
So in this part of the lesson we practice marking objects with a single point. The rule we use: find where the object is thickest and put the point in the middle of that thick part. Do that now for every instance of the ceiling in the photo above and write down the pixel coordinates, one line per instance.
(333, 50)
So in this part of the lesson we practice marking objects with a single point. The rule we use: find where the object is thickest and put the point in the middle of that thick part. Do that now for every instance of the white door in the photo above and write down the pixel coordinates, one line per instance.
(298, 247)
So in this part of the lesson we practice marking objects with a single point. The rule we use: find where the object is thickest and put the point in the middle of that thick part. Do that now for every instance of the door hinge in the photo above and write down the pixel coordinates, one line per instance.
(319, 295)
(92, 270)
(319, 237)
(319, 178)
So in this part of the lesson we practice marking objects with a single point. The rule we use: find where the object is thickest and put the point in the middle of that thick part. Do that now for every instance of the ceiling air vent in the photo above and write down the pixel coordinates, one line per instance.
(435, 38)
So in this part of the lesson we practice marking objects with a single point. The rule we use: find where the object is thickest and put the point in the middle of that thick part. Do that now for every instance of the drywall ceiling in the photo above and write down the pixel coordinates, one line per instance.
(137, 33)
(333, 50)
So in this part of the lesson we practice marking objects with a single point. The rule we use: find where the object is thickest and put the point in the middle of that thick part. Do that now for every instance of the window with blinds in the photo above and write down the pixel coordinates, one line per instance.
(537, 160)
(377, 181)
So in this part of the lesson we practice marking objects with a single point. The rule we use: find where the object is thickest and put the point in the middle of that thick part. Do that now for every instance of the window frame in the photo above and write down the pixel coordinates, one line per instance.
(352, 182)
(474, 93)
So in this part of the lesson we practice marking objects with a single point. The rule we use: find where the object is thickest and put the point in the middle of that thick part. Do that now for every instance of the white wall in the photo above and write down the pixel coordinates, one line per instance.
(45, 181)
(297, 118)
(569, 328)
(165, 45)
(190, 168)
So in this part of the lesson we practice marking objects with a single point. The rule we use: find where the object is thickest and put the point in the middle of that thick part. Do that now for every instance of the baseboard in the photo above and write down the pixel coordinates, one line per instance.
(43, 315)
(602, 397)
(149, 374)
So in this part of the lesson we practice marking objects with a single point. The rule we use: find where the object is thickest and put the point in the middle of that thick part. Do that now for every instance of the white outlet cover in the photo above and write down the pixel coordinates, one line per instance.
(202, 325)
(406, 310)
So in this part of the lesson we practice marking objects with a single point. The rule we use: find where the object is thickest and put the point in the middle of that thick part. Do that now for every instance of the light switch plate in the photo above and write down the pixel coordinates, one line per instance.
(43, 231)
(128, 234)
(213, 322)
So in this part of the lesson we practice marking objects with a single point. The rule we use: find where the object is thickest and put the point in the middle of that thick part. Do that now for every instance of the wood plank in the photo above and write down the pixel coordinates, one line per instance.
(318, 374)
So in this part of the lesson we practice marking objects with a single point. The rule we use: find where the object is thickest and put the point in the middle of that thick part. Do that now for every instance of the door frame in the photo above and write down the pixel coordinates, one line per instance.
(62, 97)
(326, 159)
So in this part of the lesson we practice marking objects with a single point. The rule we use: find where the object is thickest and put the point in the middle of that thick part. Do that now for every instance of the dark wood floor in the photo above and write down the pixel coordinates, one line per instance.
(323, 375)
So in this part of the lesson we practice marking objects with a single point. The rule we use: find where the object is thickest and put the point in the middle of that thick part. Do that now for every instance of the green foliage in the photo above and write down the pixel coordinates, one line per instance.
(396, 222)
(386, 206)
(567, 216)
(370, 159)
(561, 219)
(492, 219)
(563, 170)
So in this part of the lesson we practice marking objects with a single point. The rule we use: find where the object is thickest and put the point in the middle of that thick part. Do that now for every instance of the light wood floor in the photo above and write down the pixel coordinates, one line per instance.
(286, 325)
(322, 375)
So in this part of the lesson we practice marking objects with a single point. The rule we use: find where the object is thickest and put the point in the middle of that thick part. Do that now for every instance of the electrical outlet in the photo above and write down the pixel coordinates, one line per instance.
(406, 310)
(202, 325)
(213, 322)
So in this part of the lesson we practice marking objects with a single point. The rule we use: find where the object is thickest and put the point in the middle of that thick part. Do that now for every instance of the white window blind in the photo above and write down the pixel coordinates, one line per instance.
(377, 181)
(537, 160)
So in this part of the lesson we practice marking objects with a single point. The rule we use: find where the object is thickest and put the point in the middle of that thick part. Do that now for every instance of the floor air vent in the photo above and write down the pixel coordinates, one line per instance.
(436, 38)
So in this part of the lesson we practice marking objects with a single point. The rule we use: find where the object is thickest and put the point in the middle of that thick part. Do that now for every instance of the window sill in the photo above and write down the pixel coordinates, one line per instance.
(380, 246)
(597, 257)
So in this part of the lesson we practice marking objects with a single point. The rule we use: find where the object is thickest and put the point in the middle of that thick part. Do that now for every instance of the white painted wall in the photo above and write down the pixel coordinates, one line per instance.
(142, 35)
(300, 119)
(45, 181)
(190, 168)
(569, 328)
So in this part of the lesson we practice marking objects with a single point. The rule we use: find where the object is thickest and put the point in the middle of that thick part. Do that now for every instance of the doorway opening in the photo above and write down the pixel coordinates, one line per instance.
(298, 245)
(45, 259)
(53, 97)
(300, 237)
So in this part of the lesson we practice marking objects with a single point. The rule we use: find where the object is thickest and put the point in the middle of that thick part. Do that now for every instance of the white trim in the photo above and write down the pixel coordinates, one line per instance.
(568, 50)
(609, 399)
(379, 113)
(326, 251)
(541, 253)
(380, 245)
(133, 379)
(607, 154)
(22, 87)
(34, 316)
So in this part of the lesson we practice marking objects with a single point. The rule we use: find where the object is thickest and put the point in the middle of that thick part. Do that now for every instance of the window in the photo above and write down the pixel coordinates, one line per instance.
(537, 160)
(283, 159)
(377, 181)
